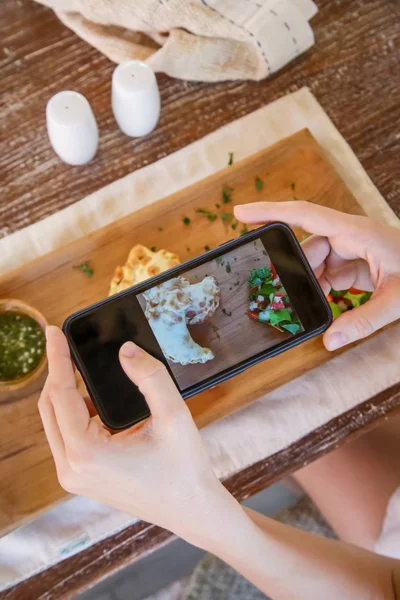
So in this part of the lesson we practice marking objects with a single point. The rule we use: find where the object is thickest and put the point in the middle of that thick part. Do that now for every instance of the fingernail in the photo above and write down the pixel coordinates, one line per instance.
(336, 340)
(129, 350)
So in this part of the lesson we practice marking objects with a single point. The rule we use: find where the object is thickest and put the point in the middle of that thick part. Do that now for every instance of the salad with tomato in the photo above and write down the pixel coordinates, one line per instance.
(342, 300)
(269, 302)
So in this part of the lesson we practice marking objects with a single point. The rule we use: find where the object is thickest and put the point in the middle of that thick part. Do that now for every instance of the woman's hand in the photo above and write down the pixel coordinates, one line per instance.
(158, 470)
(344, 251)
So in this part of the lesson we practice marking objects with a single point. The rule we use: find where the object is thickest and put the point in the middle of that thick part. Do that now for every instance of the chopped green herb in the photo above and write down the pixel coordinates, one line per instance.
(186, 221)
(244, 230)
(210, 215)
(295, 198)
(236, 283)
(293, 186)
(153, 249)
(160, 229)
(219, 260)
(260, 276)
(187, 249)
(227, 312)
(207, 248)
(226, 217)
(217, 206)
(234, 225)
(228, 268)
(230, 161)
(85, 269)
(259, 184)
(226, 194)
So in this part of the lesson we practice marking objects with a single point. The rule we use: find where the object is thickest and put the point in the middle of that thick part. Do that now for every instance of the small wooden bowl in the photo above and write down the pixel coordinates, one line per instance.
(24, 308)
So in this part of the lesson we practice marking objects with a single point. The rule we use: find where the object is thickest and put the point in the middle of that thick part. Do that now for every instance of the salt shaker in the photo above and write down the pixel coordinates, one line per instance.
(72, 127)
(135, 98)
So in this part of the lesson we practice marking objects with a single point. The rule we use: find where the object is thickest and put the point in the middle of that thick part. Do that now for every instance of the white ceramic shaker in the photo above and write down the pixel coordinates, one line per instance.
(72, 127)
(135, 98)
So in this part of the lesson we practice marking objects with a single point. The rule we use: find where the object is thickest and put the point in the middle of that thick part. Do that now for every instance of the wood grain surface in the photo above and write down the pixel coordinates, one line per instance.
(353, 70)
(41, 283)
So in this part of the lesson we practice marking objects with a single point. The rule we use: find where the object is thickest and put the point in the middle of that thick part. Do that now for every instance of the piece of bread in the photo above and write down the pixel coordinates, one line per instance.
(174, 304)
(140, 265)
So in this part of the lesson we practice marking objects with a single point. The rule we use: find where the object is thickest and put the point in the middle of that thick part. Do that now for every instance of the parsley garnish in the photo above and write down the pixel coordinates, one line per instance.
(228, 268)
(227, 312)
(230, 161)
(153, 249)
(226, 217)
(219, 260)
(207, 248)
(187, 249)
(244, 230)
(226, 194)
(85, 269)
(160, 229)
(260, 276)
(217, 206)
(210, 215)
(259, 184)
(186, 221)
(293, 186)
(234, 225)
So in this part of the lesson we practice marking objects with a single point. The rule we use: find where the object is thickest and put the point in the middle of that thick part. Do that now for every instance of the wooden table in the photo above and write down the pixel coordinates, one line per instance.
(354, 71)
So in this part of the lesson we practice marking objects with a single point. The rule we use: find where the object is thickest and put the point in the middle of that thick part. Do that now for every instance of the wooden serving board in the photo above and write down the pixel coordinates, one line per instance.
(28, 483)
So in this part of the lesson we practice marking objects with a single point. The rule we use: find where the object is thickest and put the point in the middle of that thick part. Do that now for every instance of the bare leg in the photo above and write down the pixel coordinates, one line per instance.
(352, 485)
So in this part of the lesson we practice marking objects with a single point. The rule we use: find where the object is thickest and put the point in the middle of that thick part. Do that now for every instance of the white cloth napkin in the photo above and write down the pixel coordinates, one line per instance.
(201, 40)
(274, 421)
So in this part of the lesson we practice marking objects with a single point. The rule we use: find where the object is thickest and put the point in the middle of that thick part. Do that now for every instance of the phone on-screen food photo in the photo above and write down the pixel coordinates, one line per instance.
(207, 320)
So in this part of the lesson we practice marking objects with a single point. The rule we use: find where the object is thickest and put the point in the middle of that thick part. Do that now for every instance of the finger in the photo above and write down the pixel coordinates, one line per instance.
(325, 285)
(70, 409)
(344, 274)
(51, 428)
(152, 379)
(383, 308)
(90, 406)
(313, 218)
(317, 249)
(61, 370)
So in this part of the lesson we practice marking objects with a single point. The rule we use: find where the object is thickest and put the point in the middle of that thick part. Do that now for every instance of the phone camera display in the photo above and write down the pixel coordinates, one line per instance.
(219, 313)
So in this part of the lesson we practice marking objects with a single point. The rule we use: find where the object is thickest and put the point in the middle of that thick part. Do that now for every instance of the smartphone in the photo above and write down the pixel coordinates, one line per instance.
(207, 320)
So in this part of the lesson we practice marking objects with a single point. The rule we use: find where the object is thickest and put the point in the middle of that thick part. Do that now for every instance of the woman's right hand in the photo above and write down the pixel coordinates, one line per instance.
(344, 251)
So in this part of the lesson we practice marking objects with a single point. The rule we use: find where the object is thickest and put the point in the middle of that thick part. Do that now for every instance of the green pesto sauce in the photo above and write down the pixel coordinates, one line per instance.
(22, 345)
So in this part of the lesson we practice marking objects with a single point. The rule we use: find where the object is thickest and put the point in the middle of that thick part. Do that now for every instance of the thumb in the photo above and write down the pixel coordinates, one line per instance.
(153, 380)
(382, 308)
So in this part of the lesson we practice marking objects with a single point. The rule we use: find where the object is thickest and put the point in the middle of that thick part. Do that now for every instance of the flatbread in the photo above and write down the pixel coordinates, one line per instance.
(140, 265)
(174, 304)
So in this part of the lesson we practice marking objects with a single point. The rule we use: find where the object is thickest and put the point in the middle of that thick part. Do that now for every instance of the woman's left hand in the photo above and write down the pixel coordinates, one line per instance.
(157, 470)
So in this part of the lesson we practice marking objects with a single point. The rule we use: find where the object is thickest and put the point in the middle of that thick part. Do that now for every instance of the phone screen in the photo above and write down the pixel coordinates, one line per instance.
(220, 313)
(207, 320)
